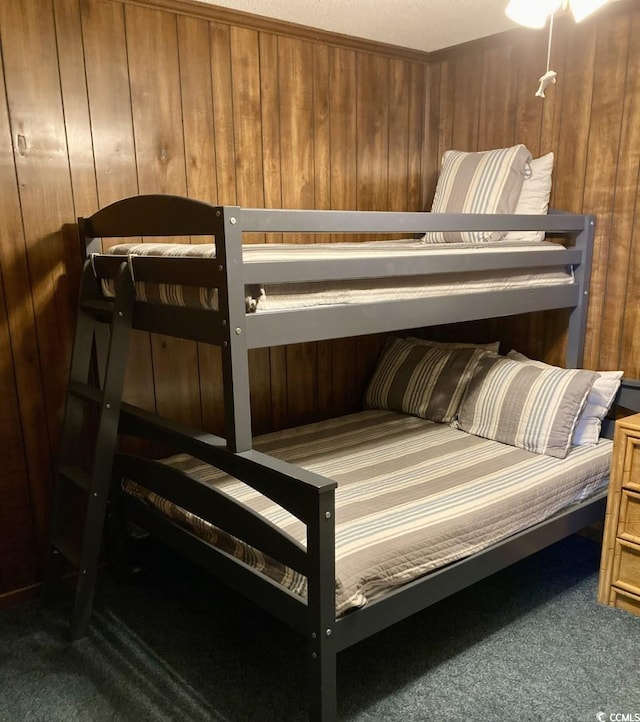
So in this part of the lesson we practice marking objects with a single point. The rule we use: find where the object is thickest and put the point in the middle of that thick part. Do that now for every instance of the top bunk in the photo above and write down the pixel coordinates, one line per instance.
(202, 282)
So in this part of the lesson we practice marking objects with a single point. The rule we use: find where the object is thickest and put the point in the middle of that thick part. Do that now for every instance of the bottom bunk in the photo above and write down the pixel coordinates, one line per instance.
(461, 463)
(412, 496)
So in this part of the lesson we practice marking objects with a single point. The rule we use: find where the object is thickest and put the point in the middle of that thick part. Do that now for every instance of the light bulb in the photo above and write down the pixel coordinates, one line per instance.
(532, 14)
(582, 8)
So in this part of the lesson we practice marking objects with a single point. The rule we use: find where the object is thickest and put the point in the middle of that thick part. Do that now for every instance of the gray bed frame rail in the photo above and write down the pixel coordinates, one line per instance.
(308, 496)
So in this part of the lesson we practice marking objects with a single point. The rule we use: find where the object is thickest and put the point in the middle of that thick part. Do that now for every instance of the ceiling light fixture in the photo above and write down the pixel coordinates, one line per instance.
(534, 14)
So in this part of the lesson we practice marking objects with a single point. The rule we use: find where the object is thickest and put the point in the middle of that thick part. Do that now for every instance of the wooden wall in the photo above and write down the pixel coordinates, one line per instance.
(102, 99)
(482, 96)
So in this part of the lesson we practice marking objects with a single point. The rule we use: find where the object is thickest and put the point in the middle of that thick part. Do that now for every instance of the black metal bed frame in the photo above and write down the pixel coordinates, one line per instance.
(308, 496)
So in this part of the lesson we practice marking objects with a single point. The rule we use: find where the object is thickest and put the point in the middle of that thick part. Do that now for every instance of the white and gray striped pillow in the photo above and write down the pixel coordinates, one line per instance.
(421, 380)
(525, 406)
(485, 182)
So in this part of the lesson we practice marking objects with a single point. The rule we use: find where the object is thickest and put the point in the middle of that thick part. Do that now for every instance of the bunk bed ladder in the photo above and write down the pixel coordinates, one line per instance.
(96, 380)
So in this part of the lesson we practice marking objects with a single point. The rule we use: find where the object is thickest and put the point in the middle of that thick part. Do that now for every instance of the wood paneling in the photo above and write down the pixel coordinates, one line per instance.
(41, 185)
(590, 120)
(23, 422)
(102, 99)
(105, 99)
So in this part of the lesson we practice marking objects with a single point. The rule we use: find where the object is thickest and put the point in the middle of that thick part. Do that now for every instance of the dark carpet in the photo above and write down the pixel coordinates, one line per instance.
(530, 643)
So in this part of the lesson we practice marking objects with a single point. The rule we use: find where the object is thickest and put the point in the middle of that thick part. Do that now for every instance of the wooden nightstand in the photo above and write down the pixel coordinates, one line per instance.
(619, 584)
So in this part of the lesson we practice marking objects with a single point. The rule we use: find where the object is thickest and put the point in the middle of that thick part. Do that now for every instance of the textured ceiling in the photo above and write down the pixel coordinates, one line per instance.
(418, 24)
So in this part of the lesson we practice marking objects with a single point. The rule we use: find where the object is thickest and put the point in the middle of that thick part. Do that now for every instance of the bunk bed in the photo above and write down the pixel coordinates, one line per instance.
(126, 287)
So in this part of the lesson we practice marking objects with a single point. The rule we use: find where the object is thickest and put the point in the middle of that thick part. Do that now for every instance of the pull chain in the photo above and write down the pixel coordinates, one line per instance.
(549, 78)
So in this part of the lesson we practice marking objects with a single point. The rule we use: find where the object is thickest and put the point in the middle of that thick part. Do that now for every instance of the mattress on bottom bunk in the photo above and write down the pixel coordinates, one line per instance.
(285, 296)
(412, 496)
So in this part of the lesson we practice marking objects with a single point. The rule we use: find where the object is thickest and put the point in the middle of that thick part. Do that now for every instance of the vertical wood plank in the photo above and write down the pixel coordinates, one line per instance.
(107, 73)
(528, 110)
(247, 127)
(417, 168)
(600, 178)
(398, 143)
(343, 179)
(373, 131)
(431, 135)
(200, 162)
(225, 174)
(373, 112)
(19, 565)
(41, 165)
(547, 330)
(73, 84)
(445, 119)
(295, 67)
(78, 131)
(497, 98)
(222, 89)
(322, 200)
(343, 132)
(270, 123)
(26, 460)
(528, 123)
(552, 114)
(152, 48)
(466, 110)
(577, 87)
(197, 109)
(321, 128)
(621, 287)
(629, 359)
(272, 183)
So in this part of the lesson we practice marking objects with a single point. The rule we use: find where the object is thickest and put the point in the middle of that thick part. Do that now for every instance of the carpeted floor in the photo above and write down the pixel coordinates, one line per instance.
(530, 643)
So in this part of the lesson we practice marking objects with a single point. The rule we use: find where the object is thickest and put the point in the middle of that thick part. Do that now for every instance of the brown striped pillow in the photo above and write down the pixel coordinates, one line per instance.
(493, 346)
(522, 405)
(421, 380)
(485, 182)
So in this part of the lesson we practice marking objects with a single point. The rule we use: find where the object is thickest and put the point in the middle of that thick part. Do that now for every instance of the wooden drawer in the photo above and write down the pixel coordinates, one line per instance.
(619, 582)
(625, 600)
(626, 574)
(631, 469)
(629, 520)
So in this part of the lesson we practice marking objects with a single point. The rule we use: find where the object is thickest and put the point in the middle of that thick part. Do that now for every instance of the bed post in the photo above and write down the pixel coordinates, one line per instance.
(235, 362)
(578, 316)
(321, 595)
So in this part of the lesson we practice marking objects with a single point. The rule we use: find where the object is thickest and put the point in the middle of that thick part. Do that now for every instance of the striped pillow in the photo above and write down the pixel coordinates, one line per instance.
(485, 182)
(493, 346)
(599, 401)
(520, 404)
(421, 380)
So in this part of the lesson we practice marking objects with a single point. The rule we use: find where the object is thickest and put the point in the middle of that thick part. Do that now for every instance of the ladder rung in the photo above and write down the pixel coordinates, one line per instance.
(76, 475)
(85, 392)
(68, 549)
(100, 309)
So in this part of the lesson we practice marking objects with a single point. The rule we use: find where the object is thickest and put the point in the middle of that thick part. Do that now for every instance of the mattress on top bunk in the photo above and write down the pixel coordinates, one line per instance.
(412, 496)
(284, 296)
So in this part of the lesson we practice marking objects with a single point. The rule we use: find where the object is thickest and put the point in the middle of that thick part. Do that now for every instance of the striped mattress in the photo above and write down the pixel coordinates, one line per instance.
(412, 496)
(284, 296)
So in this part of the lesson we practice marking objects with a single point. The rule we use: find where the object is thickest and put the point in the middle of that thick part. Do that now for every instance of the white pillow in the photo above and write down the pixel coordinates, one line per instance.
(603, 392)
(534, 198)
